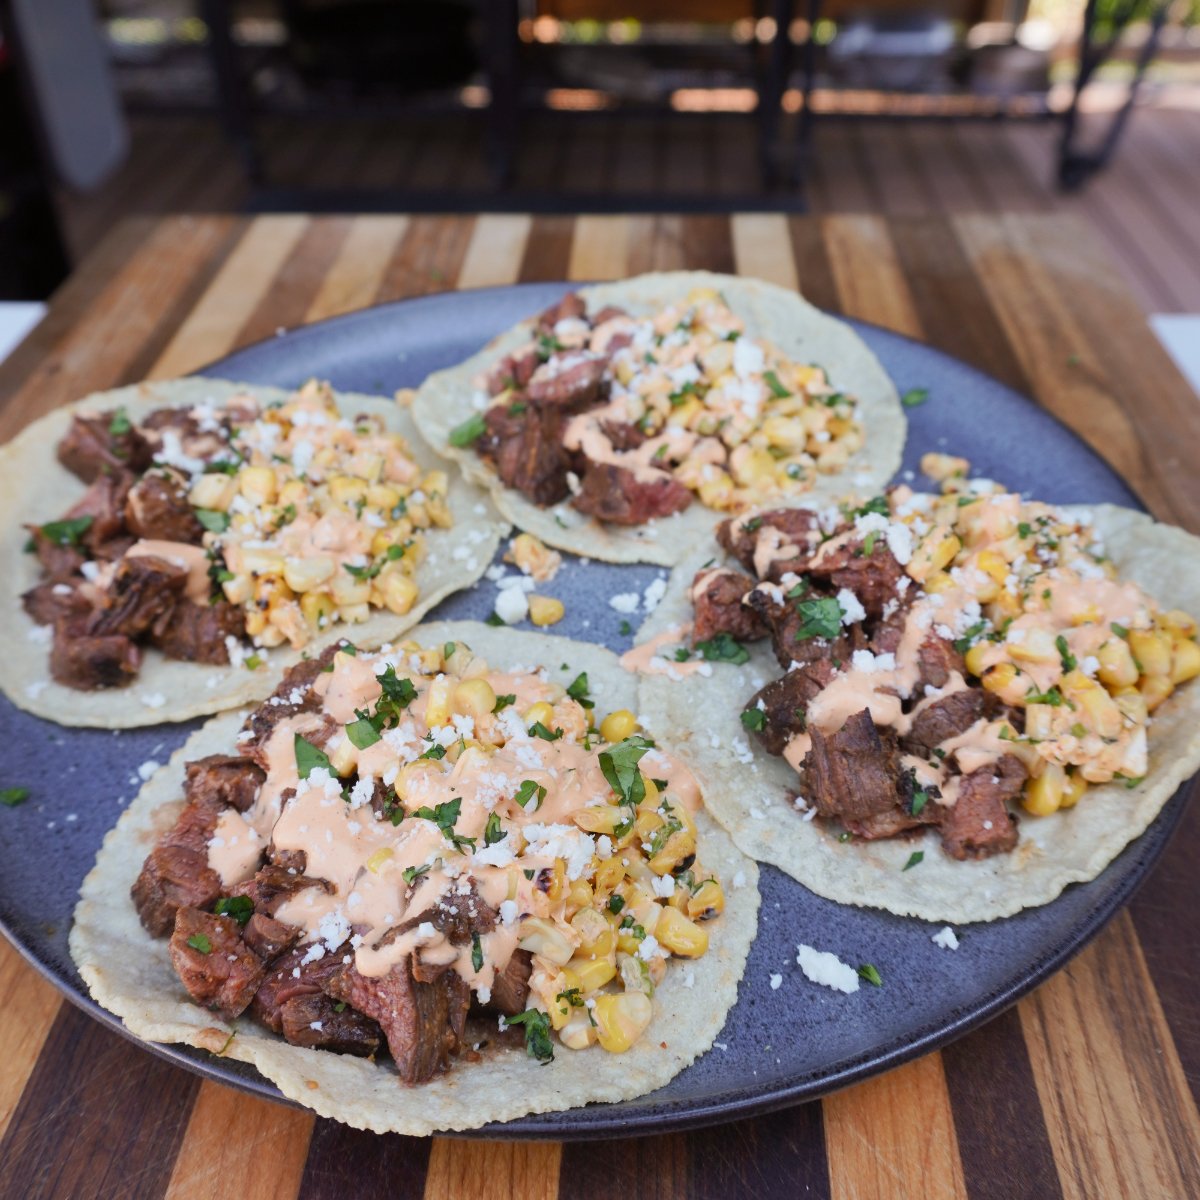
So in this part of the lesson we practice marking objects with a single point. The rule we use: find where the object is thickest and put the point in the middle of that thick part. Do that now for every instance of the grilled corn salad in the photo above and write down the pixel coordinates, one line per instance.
(447, 778)
(1047, 627)
(316, 518)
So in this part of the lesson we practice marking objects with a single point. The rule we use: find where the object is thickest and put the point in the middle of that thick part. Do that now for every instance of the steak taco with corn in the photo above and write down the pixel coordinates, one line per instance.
(171, 546)
(983, 698)
(428, 887)
(629, 418)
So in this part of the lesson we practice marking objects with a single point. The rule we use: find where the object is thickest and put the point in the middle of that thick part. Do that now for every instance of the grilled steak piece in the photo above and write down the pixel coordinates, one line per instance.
(215, 965)
(978, 824)
(513, 371)
(193, 828)
(144, 589)
(623, 435)
(570, 306)
(871, 577)
(783, 704)
(272, 885)
(89, 662)
(945, 718)
(784, 621)
(197, 437)
(937, 660)
(615, 494)
(569, 383)
(172, 877)
(314, 1021)
(291, 976)
(48, 602)
(527, 451)
(58, 562)
(510, 988)
(293, 695)
(197, 632)
(900, 818)
(795, 527)
(269, 938)
(423, 1022)
(853, 773)
(221, 780)
(90, 447)
(456, 915)
(104, 503)
(157, 507)
(717, 599)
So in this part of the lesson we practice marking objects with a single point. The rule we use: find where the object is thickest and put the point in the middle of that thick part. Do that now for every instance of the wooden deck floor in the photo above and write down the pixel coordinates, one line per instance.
(1144, 206)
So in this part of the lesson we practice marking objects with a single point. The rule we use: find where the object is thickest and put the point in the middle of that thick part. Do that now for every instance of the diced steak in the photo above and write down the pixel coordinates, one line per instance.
(978, 823)
(456, 916)
(144, 589)
(527, 450)
(717, 598)
(48, 602)
(783, 703)
(513, 371)
(905, 815)
(197, 632)
(58, 561)
(88, 662)
(294, 695)
(945, 718)
(739, 536)
(157, 507)
(320, 1023)
(784, 621)
(193, 828)
(624, 435)
(937, 660)
(291, 976)
(423, 1022)
(172, 877)
(221, 780)
(871, 577)
(570, 306)
(510, 988)
(568, 383)
(272, 885)
(269, 938)
(89, 447)
(104, 504)
(853, 773)
(615, 494)
(215, 965)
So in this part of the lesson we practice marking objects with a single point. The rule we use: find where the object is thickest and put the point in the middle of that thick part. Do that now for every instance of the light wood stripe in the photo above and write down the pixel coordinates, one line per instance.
(357, 272)
(29, 1005)
(493, 1170)
(867, 273)
(762, 247)
(599, 248)
(496, 250)
(230, 301)
(240, 1145)
(1118, 1109)
(894, 1136)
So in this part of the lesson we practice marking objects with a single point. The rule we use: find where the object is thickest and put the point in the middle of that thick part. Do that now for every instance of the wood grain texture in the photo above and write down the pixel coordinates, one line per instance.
(349, 1162)
(492, 1170)
(495, 251)
(354, 277)
(867, 275)
(894, 1136)
(29, 1005)
(598, 248)
(762, 247)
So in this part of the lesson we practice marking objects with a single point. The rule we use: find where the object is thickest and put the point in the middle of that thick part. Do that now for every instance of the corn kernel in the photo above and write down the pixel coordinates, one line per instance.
(621, 1019)
(1117, 668)
(1151, 650)
(473, 698)
(215, 491)
(347, 491)
(437, 701)
(399, 593)
(533, 558)
(941, 467)
(545, 610)
(578, 1033)
(579, 896)
(679, 846)
(593, 973)
(716, 492)
(1037, 646)
(304, 574)
(975, 657)
(346, 589)
(542, 937)
(318, 609)
(377, 860)
(1043, 795)
(383, 497)
(1003, 680)
(609, 871)
(680, 934)
(619, 725)
(539, 712)
(602, 818)
(707, 901)
(1177, 622)
(1185, 660)
(295, 491)
(344, 759)
(257, 484)
(1074, 787)
(1155, 689)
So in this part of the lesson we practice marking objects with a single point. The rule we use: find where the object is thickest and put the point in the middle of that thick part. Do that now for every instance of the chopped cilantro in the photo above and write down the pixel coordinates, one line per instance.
(120, 423)
(616, 903)
(798, 589)
(964, 643)
(620, 766)
(537, 1034)
(502, 702)
(362, 732)
(494, 620)
(626, 629)
(680, 395)
(11, 797)
(1024, 529)
(870, 973)
(915, 858)
(412, 874)
(391, 554)
(919, 800)
(252, 662)
(537, 729)
(578, 690)
(240, 908)
(572, 996)
(492, 833)
(869, 541)
(66, 532)
(470, 431)
(755, 719)
(877, 505)
(396, 696)
(1064, 652)
(1051, 696)
(1078, 730)
(1119, 630)
(1131, 781)
(529, 790)
(723, 648)
(435, 752)
(213, 520)
(309, 757)
(844, 836)
(476, 953)
(777, 388)
(547, 344)
(199, 942)
(444, 817)
(448, 650)
(914, 396)
(819, 618)
(682, 654)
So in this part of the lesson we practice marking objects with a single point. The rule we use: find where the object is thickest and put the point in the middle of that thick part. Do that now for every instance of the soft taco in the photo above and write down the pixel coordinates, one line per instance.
(170, 547)
(982, 698)
(626, 420)
(427, 888)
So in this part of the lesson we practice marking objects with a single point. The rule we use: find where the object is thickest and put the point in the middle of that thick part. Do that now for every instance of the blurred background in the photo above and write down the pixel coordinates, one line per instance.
(116, 107)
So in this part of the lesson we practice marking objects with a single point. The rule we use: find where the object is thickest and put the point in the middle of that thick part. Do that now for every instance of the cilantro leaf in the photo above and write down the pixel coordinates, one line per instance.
(240, 908)
(120, 423)
(198, 941)
(754, 719)
(212, 519)
(620, 766)
(502, 702)
(578, 690)
(412, 874)
(528, 791)
(470, 431)
(362, 732)
(870, 973)
(819, 618)
(309, 757)
(492, 833)
(723, 648)
(777, 388)
(537, 1034)
(1051, 696)
(916, 857)
(11, 797)
(435, 752)
(914, 396)
(964, 643)
(919, 800)
(66, 532)
(537, 729)
(616, 903)
(476, 953)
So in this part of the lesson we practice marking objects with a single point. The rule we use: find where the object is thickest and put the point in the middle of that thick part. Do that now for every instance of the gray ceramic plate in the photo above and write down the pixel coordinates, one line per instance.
(778, 1047)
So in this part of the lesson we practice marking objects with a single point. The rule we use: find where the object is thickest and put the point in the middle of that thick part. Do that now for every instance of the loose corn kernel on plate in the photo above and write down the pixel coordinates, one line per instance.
(780, 1044)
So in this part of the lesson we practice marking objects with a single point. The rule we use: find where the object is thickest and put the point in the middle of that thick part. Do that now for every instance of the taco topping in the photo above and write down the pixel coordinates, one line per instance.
(946, 659)
(209, 527)
(631, 417)
(410, 839)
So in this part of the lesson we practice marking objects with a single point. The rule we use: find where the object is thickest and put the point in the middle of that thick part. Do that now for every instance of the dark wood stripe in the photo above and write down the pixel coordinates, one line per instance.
(98, 1118)
(346, 1162)
(548, 249)
(707, 244)
(952, 306)
(651, 1168)
(813, 270)
(1003, 1144)
(1170, 940)
(673, 243)
(428, 258)
(287, 299)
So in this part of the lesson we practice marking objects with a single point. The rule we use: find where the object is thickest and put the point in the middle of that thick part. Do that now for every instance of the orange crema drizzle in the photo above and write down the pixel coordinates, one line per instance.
(601, 892)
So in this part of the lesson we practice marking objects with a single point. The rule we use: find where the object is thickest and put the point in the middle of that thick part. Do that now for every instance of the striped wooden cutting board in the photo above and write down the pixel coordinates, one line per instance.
(1085, 1089)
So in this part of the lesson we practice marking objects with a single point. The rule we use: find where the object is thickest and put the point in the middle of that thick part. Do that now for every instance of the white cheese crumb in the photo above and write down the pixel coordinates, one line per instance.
(827, 969)
(147, 769)
(946, 938)
(852, 609)
(625, 602)
(511, 605)
(776, 982)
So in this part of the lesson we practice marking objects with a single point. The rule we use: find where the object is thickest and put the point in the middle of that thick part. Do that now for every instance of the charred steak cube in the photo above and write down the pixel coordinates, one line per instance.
(89, 662)
(197, 632)
(615, 494)
(717, 599)
(784, 527)
(157, 507)
(144, 589)
(316, 1021)
(269, 938)
(527, 450)
(173, 877)
(222, 780)
(213, 961)
(945, 718)
(90, 447)
(296, 973)
(783, 702)
(978, 823)
(853, 773)
(510, 988)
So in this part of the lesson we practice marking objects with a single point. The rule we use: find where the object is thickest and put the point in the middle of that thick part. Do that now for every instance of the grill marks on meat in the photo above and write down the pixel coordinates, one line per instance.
(568, 386)
(510, 988)
(293, 695)
(223, 779)
(173, 877)
(945, 718)
(615, 494)
(527, 451)
(783, 703)
(717, 600)
(422, 1022)
(978, 824)
(226, 975)
(90, 448)
(143, 592)
(319, 1023)
(157, 507)
(853, 773)
(269, 938)
(91, 662)
(290, 977)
